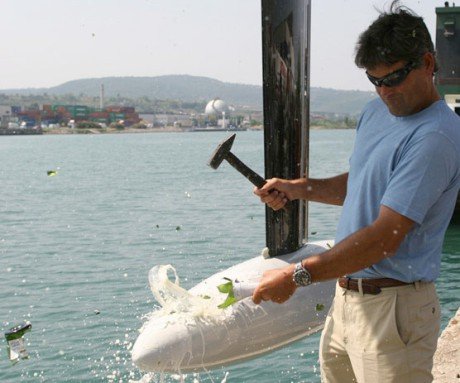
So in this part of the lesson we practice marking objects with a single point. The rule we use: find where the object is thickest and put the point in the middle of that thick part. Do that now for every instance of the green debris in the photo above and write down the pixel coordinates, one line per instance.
(14, 336)
(227, 288)
(178, 228)
(18, 331)
(313, 232)
(205, 296)
(51, 173)
(228, 302)
(319, 307)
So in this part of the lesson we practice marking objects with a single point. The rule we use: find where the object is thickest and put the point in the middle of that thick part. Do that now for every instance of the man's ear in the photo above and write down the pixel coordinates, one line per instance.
(429, 62)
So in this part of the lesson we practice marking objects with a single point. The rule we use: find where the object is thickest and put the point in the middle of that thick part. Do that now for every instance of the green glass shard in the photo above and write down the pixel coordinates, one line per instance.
(319, 307)
(225, 288)
(228, 302)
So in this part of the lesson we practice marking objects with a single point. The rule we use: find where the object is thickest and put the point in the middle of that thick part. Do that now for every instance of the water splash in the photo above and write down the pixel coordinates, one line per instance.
(176, 300)
(180, 306)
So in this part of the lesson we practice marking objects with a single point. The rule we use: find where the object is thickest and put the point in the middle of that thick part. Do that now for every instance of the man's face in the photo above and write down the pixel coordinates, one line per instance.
(408, 97)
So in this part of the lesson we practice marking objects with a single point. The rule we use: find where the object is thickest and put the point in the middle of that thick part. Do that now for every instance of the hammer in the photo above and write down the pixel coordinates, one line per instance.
(223, 152)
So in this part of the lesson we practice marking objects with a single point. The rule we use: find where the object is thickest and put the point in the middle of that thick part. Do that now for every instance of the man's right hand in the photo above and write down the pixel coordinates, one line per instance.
(276, 193)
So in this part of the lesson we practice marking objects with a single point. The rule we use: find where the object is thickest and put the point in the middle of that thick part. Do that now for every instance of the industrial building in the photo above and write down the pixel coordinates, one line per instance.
(63, 114)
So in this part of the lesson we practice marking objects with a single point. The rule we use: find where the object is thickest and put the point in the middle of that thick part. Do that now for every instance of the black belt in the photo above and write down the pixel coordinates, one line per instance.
(370, 286)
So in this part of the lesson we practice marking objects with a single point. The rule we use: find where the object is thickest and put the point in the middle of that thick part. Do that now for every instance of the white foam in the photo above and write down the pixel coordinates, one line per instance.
(180, 306)
(176, 300)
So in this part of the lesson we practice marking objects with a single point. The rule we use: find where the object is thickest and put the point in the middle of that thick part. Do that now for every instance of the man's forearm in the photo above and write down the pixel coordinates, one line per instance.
(361, 249)
(355, 253)
(277, 191)
(331, 191)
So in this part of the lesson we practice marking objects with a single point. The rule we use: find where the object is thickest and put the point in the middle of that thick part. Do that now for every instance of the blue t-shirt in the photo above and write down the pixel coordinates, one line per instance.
(410, 164)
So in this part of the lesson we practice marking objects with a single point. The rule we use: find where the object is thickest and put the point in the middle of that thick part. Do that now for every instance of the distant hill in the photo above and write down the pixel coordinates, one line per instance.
(194, 88)
(339, 101)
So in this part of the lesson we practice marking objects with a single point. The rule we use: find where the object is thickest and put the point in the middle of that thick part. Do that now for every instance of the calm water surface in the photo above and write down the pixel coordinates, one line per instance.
(75, 249)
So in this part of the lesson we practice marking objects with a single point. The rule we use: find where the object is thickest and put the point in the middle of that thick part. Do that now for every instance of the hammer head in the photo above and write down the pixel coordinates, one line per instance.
(221, 152)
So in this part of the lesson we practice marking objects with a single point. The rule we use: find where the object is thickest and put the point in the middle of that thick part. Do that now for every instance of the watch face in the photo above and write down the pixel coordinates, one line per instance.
(301, 276)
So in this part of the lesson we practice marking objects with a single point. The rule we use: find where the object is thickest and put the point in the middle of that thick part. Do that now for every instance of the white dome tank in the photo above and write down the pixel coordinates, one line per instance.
(216, 107)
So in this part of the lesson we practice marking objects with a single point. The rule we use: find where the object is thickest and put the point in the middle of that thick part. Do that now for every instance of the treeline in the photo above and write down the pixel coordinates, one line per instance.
(342, 122)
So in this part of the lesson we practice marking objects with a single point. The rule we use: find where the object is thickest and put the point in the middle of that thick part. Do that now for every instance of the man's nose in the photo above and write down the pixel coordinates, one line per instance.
(384, 90)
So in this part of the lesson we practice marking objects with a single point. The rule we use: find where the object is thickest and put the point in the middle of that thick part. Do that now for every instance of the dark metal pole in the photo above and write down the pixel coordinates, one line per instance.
(448, 50)
(285, 51)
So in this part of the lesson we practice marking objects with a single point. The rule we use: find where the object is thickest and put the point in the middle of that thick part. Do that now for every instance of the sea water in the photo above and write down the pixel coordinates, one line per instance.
(76, 248)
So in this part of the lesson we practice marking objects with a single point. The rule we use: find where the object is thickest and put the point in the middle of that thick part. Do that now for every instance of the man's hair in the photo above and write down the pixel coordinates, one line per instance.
(397, 35)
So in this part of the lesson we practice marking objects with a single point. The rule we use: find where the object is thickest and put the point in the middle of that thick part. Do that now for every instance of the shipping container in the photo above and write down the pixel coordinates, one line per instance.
(100, 120)
(99, 115)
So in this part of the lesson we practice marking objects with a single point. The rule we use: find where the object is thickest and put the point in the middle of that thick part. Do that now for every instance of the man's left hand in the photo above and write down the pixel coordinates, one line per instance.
(276, 285)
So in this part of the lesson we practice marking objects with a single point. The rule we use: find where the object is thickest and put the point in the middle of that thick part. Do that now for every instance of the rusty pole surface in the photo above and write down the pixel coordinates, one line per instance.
(286, 88)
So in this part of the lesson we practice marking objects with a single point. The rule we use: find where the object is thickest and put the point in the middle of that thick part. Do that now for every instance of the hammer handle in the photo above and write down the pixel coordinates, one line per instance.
(250, 174)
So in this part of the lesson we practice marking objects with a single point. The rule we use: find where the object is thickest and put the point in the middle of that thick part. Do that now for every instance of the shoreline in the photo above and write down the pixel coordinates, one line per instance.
(170, 129)
(167, 129)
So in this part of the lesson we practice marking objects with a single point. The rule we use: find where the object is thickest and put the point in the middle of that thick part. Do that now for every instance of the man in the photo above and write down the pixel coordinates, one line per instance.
(397, 198)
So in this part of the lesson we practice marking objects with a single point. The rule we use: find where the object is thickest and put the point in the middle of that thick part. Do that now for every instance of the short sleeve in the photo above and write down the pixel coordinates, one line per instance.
(425, 169)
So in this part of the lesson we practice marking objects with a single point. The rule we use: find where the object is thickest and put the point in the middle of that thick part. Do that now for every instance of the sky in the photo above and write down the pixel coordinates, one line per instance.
(48, 42)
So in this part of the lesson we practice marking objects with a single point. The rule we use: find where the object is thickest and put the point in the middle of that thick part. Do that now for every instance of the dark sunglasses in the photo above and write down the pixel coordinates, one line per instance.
(394, 78)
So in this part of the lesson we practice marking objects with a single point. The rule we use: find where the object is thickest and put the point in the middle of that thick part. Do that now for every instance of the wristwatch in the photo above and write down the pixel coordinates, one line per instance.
(301, 275)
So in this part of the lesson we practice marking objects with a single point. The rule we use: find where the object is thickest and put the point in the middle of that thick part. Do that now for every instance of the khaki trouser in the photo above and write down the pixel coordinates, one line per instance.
(386, 338)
